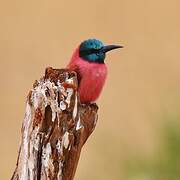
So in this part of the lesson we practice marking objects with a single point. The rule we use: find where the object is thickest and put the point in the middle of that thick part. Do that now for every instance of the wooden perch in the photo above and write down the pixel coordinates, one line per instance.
(55, 128)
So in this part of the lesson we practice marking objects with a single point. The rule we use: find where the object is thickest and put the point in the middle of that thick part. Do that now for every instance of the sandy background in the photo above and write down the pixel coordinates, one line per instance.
(143, 82)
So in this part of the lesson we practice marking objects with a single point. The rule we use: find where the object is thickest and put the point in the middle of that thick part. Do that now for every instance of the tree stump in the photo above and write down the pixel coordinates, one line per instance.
(56, 126)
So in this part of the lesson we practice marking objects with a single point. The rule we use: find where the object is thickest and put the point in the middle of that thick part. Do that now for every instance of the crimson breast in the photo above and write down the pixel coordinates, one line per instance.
(93, 76)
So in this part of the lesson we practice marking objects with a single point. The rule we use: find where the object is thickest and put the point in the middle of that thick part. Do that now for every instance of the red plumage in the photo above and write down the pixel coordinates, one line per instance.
(91, 76)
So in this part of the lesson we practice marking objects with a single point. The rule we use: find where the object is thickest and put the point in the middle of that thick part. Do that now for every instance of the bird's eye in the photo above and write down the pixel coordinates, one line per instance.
(96, 51)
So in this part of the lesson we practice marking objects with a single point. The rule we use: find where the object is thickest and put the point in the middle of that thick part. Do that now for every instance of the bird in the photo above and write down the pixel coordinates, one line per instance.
(88, 61)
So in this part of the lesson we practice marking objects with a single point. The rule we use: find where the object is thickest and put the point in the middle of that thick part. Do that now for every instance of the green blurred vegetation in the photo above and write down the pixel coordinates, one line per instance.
(165, 164)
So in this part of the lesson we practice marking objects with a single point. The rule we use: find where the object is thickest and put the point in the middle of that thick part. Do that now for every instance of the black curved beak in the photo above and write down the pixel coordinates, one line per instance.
(110, 47)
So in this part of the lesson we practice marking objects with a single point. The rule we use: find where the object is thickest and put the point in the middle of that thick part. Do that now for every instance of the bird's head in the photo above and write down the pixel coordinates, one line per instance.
(93, 50)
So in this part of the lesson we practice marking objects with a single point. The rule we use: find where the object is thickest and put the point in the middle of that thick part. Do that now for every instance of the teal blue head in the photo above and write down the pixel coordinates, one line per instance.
(93, 50)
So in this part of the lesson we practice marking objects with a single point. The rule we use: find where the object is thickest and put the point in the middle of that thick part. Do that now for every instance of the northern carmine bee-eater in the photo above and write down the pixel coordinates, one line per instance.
(88, 62)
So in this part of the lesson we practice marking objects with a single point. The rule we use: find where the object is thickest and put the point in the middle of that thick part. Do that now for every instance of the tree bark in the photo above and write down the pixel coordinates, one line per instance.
(55, 128)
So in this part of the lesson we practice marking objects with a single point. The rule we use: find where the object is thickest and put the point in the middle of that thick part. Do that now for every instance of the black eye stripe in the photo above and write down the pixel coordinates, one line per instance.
(89, 51)
(95, 50)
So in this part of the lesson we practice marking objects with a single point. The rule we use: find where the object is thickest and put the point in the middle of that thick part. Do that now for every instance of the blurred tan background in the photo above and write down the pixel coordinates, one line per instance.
(143, 82)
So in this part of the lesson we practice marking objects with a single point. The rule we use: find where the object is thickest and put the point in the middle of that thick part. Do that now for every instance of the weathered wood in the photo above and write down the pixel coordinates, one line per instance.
(55, 128)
